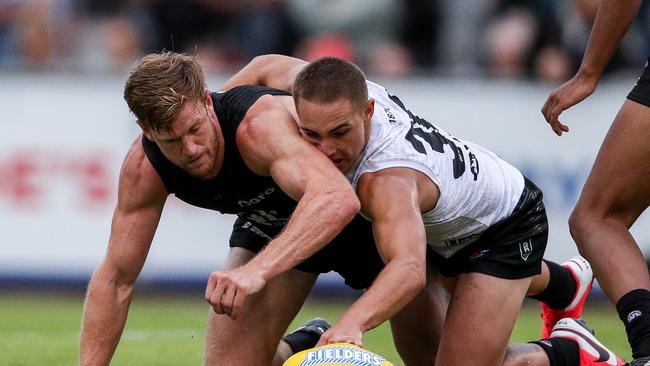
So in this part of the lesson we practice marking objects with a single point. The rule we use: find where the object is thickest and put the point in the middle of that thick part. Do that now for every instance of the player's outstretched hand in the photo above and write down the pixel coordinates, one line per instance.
(227, 290)
(342, 333)
(564, 97)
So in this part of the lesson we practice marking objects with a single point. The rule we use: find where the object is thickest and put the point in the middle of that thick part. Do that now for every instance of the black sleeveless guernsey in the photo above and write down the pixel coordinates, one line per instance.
(236, 189)
(262, 208)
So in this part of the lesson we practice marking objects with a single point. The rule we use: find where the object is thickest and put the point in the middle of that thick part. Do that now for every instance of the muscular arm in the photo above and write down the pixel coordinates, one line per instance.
(141, 198)
(390, 198)
(612, 21)
(271, 145)
(275, 71)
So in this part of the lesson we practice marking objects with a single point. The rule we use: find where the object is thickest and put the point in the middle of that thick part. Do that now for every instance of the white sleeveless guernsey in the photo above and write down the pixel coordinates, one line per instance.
(477, 188)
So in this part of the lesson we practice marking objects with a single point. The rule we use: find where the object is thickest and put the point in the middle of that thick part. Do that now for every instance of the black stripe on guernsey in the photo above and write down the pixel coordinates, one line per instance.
(603, 354)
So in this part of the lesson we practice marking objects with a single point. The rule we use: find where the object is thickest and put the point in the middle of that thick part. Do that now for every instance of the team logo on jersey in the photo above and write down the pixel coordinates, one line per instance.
(547, 343)
(633, 315)
(525, 248)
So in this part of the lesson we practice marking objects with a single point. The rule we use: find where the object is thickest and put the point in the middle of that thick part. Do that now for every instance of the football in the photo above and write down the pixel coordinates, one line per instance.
(337, 354)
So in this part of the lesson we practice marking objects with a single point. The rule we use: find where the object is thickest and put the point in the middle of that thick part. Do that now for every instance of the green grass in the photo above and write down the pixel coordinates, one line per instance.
(44, 330)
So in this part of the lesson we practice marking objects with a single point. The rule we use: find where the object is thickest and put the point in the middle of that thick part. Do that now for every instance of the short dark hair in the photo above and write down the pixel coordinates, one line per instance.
(159, 86)
(329, 79)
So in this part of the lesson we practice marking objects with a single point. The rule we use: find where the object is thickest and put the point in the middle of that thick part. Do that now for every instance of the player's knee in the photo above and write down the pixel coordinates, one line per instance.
(581, 222)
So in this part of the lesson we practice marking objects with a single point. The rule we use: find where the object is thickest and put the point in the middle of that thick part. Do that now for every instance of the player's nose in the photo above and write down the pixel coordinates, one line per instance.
(190, 148)
(327, 148)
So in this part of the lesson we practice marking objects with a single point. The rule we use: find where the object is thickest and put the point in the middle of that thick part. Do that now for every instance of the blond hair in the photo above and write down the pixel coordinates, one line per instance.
(160, 84)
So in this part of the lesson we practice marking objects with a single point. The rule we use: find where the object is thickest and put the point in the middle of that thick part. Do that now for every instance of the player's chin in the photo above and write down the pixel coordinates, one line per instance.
(200, 172)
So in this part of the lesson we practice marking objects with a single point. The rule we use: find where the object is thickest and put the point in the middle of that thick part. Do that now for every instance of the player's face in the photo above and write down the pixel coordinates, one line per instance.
(194, 142)
(339, 129)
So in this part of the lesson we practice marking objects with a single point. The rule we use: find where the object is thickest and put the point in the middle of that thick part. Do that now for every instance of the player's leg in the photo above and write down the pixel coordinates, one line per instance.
(562, 290)
(570, 344)
(525, 354)
(304, 337)
(418, 326)
(615, 194)
(253, 338)
(481, 315)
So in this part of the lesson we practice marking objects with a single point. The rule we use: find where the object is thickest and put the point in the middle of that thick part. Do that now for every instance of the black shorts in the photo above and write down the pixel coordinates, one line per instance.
(352, 254)
(511, 248)
(641, 91)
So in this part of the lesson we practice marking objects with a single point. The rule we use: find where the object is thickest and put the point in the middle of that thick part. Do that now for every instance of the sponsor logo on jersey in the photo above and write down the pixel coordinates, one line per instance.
(255, 200)
(390, 115)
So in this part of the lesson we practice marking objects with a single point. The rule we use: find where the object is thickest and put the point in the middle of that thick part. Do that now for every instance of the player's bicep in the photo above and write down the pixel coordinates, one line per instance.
(392, 203)
(296, 166)
(301, 167)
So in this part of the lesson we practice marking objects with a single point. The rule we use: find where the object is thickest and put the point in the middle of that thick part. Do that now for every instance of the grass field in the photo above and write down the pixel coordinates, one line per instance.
(44, 330)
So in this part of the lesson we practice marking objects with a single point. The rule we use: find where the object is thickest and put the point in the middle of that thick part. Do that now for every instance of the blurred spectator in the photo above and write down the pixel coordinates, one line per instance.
(67, 35)
(579, 17)
(459, 43)
(367, 31)
(524, 39)
(537, 39)
(420, 31)
(32, 40)
(225, 33)
(111, 35)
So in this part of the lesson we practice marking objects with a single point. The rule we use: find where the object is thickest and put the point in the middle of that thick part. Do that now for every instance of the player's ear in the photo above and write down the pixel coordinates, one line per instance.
(208, 99)
(369, 110)
(146, 131)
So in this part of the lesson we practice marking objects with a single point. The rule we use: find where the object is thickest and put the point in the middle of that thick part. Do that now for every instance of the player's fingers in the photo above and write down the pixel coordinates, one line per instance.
(209, 289)
(324, 339)
(558, 127)
(551, 103)
(215, 299)
(564, 128)
(238, 303)
(343, 338)
(547, 107)
(227, 300)
(348, 339)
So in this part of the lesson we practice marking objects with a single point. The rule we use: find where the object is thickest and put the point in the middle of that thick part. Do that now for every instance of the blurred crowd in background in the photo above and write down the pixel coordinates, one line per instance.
(512, 39)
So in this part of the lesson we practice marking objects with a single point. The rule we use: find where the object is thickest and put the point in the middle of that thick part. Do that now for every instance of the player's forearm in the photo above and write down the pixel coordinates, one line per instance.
(105, 314)
(612, 21)
(275, 71)
(395, 287)
(317, 219)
